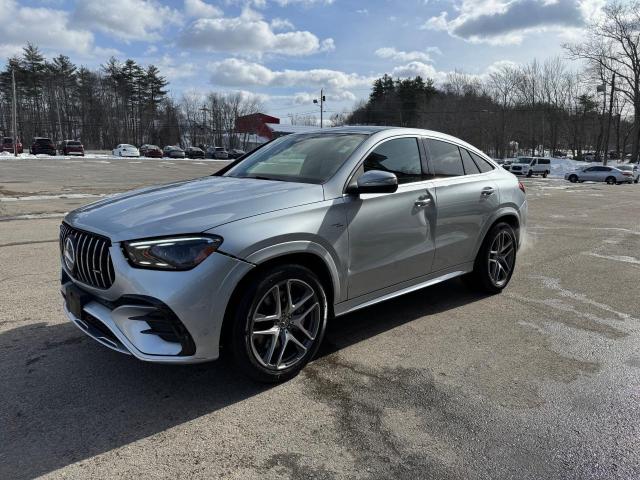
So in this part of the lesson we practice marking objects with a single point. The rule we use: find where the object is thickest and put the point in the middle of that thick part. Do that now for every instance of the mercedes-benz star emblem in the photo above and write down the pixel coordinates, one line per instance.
(69, 254)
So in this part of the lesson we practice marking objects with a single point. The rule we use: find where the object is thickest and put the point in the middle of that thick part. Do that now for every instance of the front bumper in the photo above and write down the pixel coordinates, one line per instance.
(153, 315)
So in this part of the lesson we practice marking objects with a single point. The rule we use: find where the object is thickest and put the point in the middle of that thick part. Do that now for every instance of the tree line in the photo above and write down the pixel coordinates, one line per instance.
(120, 102)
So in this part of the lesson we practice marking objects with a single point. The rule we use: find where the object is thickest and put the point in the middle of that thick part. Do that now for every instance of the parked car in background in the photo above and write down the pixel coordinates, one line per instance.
(194, 152)
(630, 170)
(598, 173)
(152, 151)
(172, 151)
(42, 145)
(217, 152)
(126, 150)
(236, 153)
(530, 166)
(70, 147)
(259, 255)
(7, 145)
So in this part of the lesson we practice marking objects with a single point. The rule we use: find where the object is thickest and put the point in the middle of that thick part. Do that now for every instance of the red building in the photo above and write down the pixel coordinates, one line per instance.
(256, 124)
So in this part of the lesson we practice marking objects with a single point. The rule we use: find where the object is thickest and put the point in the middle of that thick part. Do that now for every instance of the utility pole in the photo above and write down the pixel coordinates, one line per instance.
(322, 99)
(204, 122)
(606, 134)
(15, 113)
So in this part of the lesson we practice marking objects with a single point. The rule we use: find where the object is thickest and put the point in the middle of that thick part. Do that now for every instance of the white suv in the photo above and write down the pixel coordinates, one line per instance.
(530, 166)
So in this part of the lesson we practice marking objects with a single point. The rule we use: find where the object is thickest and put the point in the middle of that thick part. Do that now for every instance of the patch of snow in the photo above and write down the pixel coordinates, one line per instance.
(61, 196)
(617, 258)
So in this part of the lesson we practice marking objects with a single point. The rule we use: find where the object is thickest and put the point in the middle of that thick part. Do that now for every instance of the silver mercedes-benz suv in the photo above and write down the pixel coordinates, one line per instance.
(257, 256)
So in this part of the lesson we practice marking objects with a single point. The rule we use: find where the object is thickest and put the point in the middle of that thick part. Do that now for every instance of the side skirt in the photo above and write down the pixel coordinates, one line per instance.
(393, 291)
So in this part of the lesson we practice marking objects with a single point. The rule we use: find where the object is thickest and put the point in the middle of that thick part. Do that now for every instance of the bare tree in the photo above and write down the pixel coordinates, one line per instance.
(612, 44)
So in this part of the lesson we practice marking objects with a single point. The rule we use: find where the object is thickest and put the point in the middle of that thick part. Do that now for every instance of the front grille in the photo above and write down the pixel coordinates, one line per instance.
(93, 264)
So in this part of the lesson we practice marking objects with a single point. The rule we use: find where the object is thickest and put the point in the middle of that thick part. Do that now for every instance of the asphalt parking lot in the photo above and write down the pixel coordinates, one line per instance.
(542, 381)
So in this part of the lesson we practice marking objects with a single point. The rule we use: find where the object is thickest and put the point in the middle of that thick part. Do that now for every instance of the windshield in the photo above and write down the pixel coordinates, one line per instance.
(307, 158)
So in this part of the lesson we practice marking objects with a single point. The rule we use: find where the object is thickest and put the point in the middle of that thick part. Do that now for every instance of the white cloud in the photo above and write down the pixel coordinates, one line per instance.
(390, 53)
(363, 11)
(281, 24)
(304, 98)
(284, 3)
(501, 22)
(414, 69)
(174, 71)
(127, 19)
(47, 28)
(249, 34)
(234, 71)
(201, 9)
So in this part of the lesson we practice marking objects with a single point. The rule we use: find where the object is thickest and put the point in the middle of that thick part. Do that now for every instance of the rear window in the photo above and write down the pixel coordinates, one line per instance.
(445, 159)
(74, 143)
(470, 166)
(482, 164)
(43, 140)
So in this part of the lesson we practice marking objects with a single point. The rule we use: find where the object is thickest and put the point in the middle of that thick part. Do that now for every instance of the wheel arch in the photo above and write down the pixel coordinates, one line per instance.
(507, 215)
(309, 257)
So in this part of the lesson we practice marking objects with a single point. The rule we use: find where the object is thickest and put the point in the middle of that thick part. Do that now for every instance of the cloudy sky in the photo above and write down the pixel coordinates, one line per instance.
(286, 50)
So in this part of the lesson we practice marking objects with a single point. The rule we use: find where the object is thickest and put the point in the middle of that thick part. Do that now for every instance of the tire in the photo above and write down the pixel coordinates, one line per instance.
(636, 180)
(262, 356)
(544, 175)
(573, 178)
(529, 174)
(487, 265)
(610, 180)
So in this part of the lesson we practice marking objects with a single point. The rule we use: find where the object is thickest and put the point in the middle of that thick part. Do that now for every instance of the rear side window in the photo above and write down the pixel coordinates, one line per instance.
(470, 166)
(400, 156)
(544, 161)
(445, 159)
(482, 164)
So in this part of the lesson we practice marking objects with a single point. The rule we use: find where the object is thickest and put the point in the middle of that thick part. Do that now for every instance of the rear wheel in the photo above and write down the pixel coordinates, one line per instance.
(279, 323)
(529, 173)
(495, 261)
(611, 180)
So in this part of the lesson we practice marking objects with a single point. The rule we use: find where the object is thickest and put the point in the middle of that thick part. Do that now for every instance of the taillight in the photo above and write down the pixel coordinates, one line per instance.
(628, 174)
(521, 187)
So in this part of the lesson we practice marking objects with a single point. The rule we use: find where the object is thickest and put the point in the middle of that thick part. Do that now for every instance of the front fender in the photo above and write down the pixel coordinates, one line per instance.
(302, 246)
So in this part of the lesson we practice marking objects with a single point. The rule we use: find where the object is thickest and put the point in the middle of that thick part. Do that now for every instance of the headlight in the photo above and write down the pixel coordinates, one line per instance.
(171, 253)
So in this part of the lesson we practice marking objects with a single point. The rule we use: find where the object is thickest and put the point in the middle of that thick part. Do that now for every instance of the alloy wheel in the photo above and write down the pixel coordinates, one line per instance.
(501, 258)
(285, 324)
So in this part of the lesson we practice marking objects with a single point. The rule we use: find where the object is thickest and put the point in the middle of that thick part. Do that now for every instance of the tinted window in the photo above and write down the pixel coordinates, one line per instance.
(469, 165)
(445, 159)
(482, 164)
(400, 156)
(544, 161)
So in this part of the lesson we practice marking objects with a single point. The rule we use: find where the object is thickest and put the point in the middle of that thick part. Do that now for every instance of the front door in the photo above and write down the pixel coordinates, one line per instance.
(391, 234)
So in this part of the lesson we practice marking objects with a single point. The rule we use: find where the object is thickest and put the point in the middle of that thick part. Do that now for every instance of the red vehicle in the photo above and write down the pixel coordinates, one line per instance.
(152, 151)
(7, 145)
(42, 145)
(70, 147)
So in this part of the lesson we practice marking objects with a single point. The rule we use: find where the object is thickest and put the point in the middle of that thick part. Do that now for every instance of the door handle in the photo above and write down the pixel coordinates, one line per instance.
(486, 191)
(422, 202)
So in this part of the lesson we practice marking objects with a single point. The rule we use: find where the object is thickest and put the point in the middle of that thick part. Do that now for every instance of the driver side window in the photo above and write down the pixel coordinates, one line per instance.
(400, 156)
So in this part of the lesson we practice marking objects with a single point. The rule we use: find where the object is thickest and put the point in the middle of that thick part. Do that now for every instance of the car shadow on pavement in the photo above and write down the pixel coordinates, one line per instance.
(64, 398)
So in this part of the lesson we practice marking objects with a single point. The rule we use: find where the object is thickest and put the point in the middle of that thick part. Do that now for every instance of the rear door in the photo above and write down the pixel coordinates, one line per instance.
(466, 196)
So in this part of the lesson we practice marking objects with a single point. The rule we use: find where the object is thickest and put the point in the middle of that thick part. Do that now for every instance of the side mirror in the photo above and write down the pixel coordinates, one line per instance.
(374, 181)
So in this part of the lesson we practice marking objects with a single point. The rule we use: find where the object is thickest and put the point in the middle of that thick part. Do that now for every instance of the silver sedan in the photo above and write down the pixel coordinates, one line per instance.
(598, 173)
(259, 255)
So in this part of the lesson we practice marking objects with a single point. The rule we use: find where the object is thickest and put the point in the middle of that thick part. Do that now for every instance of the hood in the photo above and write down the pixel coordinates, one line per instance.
(189, 207)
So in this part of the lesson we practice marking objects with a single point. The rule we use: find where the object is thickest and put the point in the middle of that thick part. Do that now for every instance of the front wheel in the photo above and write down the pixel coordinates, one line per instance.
(279, 323)
(495, 261)
(573, 178)
(544, 175)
